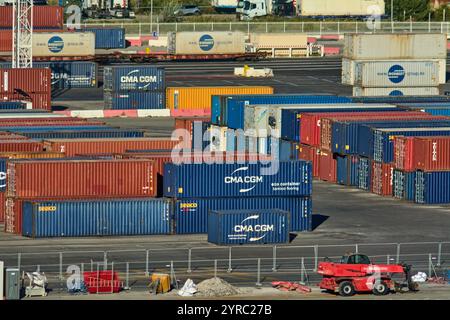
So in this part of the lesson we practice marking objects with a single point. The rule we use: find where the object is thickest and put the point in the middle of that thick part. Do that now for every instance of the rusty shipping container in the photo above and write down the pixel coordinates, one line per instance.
(382, 178)
(200, 98)
(39, 101)
(20, 145)
(312, 154)
(327, 166)
(44, 17)
(422, 153)
(85, 178)
(72, 147)
(34, 80)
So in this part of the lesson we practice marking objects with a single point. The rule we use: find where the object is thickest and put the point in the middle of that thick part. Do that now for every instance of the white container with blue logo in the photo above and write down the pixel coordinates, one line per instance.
(395, 92)
(248, 227)
(372, 74)
(63, 44)
(215, 42)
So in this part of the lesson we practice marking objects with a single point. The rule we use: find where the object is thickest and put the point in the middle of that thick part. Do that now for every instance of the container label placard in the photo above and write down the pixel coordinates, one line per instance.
(252, 180)
(55, 44)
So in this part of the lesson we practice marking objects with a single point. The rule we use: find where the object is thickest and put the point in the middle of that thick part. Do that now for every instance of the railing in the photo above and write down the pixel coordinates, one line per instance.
(313, 28)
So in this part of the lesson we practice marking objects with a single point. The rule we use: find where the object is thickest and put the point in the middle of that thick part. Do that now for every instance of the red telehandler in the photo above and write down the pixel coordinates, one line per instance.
(356, 274)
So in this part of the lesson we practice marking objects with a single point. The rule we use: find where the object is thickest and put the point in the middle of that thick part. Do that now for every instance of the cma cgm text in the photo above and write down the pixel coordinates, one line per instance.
(140, 79)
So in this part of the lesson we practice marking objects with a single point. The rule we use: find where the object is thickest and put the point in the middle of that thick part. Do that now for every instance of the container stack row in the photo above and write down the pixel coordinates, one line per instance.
(394, 64)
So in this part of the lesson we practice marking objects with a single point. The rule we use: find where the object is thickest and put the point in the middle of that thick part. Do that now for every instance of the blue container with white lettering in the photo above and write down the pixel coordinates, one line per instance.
(131, 78)
(230, 227)
(134, 100)
(191, 215)
(107, 38)
(249, 179)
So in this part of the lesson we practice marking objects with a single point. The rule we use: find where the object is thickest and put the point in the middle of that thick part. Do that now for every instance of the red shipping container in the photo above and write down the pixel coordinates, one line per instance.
(33, 80)
(188, 125)
(327, 166)
(40, 101)
(20, 145)
(71, 147)
(6, 39)
(81, 178)
(382, 178)
(326, 123)
(310, 132)
(19, 123)
(44, 17)
(312, 154)
(422, 153)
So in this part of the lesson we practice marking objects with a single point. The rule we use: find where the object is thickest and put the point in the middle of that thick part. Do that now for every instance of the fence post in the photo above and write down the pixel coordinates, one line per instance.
(284, 26)
(60, 265)
(320, 26)
(302, 271)
(229, 260)
(248, 28)
(112, 277)
(98, 276)
(258, 281)
(127, 275)
(397, 259)
(140, 29)
(189, 260)
(82, 269)
(231, 28)
(212, 26)
(303, 26)
(157, 25)
(410, 24)
(215, 268)
(172, 273)
(38, 268)
(176, 26)
(316, 257)
(267, 27)
(194, 26)
(439, 253)
(146, 263)
(338, 27)
(356, 29)
(105, 260)
(274, 259)
(429, 265)
(92, 265)
(19, 260)
(356, 248)
(388, 259)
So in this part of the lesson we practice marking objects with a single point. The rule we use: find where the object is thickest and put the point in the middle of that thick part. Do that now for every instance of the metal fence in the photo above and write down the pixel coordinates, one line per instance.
(313, 28)
(268, 263)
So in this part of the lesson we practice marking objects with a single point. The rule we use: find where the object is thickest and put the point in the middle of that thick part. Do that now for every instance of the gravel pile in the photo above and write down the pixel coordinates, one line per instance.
(216, 287)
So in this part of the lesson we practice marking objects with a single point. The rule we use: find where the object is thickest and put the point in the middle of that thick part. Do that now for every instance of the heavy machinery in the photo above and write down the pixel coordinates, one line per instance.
(355, 273)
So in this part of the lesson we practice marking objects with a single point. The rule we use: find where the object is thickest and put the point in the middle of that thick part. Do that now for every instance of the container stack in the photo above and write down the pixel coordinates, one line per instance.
(394, 64)
(134, 87)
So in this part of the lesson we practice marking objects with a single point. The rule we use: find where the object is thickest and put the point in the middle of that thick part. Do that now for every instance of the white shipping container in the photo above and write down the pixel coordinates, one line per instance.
(218, 138)
(342, 8)
(388, 46)
(206, 42)
(279, 40)
(63, 44)
(383, 92)
(397, 74)
(349, 69)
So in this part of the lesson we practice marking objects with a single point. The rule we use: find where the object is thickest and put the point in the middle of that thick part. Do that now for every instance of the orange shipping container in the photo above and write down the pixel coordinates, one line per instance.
(199, 98)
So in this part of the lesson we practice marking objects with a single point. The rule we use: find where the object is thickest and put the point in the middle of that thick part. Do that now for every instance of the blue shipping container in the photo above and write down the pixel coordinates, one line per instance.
(222, 106)
(383, 140)
(400, 99)
(200, 135)
(68, 74)
(54, 128)
(435, 109)
(191, 215)
(364, 174)
(432, 187)
(84, 134)
(347, 170)
(134, 100)
(107, 38)
(12, 105)
(404, 185)
(135, 77)
(273, 179)
(119, 217)
(230, 227)
(280, 149)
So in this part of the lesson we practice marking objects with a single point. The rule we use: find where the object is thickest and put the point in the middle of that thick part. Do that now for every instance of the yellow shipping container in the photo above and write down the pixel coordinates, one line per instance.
(199, 98)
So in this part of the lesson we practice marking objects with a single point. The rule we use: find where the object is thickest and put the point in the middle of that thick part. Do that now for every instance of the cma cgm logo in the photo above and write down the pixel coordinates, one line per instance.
(259, 228)
(234, 178)
(396, 73)
(133, 77)
(206, 42)
(55, 44)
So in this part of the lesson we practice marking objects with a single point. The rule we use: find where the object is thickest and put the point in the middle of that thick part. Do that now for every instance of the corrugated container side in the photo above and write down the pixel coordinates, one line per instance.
(63, 44)
(403, 153)
(404, 187)
(134, 100)
(197, 98)
(347, 170)
(44, 17)
(382, 178)
(119, 217)
(82, 134)
(107, 38)
(401, 99)
(6, 39)
(291, 178)
(230, 227)
(191, 215)
(20, 145)
(364, 174)
(432, 154)
(312, 154)
(81, 178)
(32, 80)
(134, 77)
(327, 166)
(40, 101)
(432, 187)
(398, 91)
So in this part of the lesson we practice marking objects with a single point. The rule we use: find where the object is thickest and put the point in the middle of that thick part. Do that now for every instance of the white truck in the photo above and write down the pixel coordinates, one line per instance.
(259, 8)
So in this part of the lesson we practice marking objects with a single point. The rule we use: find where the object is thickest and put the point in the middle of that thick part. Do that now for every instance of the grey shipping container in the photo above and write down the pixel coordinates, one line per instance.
(118, 217)
(248, 227)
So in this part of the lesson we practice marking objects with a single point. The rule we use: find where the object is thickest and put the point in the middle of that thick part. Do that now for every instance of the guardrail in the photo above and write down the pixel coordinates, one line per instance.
(313, 28)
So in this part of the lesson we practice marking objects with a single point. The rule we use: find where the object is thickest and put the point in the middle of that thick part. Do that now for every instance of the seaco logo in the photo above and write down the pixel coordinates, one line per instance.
(55, 44)
(253, 226)
(206, 42)
(233, 178)
(133, 77)
(396, 73)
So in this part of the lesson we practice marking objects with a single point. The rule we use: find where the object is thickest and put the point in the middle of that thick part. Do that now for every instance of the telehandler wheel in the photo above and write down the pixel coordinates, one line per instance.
(380, 289)
(346, 289)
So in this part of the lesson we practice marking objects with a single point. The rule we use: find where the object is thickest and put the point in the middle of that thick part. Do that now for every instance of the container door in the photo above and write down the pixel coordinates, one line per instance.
(12, 284)
(2, 280)
(420, 187)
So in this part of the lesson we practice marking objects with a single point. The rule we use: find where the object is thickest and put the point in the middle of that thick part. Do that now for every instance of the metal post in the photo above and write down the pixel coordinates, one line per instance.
(19, 259)
(38, 268)
(112, 277)
(194, 26)
(176, 26)
(303, 26)
(338, 28)
(410, 24)
(248, 28)
(82, 268)
(397, 258)
(320, 25)
(105, 260)
(127, 275)
(229, 260)
(157, 25)
(356, 248)
(212, 26)
(356, 29)
(274, 259)
(302, 271)
(429, 22)
(189, 270)
(146, 263)
(316, 257)
(429, 265)
(60, 265)
(258, 281)
(98, 275)
(231, 28)
(92, 265)
(439, 253)
(172, 278)
(284, 26)
(215, 268)
(388, 259)
(140, 29)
